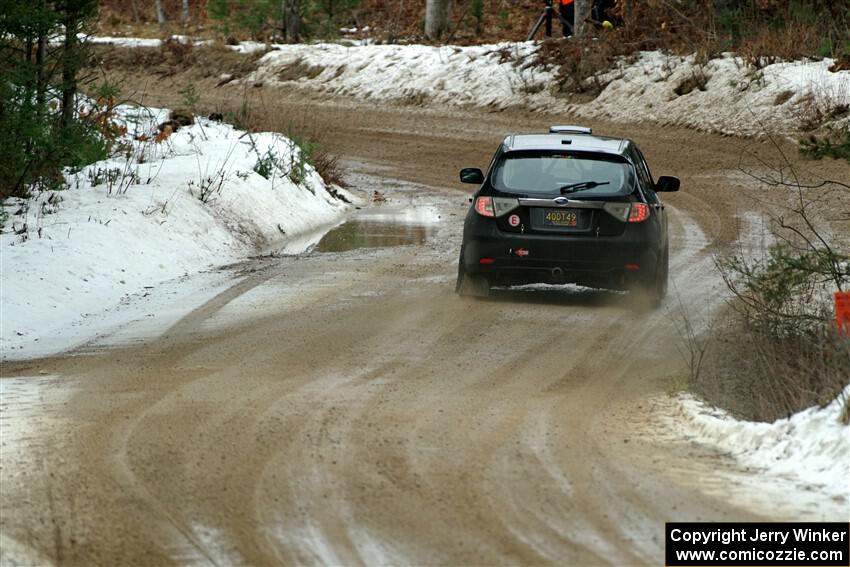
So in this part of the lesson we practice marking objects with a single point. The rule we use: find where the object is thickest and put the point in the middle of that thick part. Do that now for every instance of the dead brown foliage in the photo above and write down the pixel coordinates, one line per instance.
(174, 57)
(579, 64)
(116, 15)
(759, 376)
(299, 69)
(768, 46)
(328, 166)
(760, 30)
(253, 111)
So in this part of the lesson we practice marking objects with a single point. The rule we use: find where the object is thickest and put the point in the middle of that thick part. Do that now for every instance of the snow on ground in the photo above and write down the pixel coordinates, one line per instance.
(799, 468)
(128, 225)
(498, 75)
(721, 95)
(125, 41)
(794, 469)
(801, 460)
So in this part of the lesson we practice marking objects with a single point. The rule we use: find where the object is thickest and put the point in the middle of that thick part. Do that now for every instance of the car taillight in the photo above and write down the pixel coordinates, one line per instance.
(504, 205)
(639, 212)
(619, 211)
(495, 206)
(484, 207)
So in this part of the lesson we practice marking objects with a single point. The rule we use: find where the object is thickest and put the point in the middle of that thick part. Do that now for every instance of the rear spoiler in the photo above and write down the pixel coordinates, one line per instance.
(570, 130)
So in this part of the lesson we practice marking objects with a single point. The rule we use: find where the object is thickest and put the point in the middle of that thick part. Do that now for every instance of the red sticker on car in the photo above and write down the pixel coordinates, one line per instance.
(521, 252)
(513, 220)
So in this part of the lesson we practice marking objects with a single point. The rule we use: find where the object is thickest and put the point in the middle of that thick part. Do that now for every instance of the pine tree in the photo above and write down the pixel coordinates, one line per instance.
(39, 136)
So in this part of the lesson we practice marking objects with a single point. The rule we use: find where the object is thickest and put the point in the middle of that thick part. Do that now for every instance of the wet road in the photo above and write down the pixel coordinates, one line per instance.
(343, 406)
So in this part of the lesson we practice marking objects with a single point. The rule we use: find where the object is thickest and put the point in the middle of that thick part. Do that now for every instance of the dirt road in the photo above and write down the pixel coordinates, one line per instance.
(347, 408)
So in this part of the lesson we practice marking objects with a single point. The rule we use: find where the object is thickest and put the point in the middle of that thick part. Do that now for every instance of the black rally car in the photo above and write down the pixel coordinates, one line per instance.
(566, 207)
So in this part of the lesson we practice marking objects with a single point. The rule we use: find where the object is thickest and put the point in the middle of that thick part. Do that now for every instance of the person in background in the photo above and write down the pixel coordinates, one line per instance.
(567, 10)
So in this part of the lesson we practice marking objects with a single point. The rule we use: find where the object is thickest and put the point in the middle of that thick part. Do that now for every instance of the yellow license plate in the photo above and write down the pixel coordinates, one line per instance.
(560, 218)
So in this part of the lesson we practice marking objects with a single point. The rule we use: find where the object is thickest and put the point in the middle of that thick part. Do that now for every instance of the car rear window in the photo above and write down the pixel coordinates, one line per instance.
(547, 172)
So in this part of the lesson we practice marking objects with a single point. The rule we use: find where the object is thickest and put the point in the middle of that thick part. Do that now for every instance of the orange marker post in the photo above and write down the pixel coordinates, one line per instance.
(842, 311)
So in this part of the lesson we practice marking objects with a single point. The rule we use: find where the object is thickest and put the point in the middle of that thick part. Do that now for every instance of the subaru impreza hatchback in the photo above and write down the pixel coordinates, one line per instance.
(566, 207)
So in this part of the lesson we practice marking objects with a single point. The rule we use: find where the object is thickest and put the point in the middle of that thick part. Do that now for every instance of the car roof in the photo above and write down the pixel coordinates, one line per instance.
(566, 141)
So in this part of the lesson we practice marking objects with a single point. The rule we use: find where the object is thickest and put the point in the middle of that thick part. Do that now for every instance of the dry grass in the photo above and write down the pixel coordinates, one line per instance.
(327, 165)
(255, 111)
(299, 69)
(582, 64)
(776, 349)
(175, 65)
(761, 34)
(821, 105)
(174, 57)
(760, 376)
(249, 109)
(761, 30)
(771, 45)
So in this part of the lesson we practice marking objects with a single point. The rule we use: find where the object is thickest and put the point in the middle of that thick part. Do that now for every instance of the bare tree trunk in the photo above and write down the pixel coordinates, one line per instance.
(135, 9)
(184, 15)
(581, 7)
(41, 72)
(160, 14)
(69, 67)
(437, 14)
(292, 15)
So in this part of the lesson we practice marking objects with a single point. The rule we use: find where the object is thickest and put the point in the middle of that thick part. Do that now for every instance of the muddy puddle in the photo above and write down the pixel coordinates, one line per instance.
(355, 234)
(367, 229)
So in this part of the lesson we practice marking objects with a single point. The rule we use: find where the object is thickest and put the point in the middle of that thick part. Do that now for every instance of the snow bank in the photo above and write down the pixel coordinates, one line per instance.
(498, 75)
(808, 452)
(131, 222)
(241, 47)
(722, 95)
(125, 41)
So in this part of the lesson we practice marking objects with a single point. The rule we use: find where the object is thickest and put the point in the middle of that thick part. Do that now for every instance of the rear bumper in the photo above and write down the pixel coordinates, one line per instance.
(516, 259)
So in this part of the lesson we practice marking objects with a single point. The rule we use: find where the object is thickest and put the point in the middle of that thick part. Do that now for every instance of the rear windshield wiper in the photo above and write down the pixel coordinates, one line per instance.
(582, 186)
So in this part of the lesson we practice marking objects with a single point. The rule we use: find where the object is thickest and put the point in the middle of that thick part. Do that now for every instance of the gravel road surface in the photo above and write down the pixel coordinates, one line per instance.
(346, 407)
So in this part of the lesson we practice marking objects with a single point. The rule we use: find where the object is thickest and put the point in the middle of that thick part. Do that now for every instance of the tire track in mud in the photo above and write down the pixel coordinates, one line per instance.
(465, 441)
(462, 431)
(221, 425)
(355, 406)
(529, 354)
(212, 427)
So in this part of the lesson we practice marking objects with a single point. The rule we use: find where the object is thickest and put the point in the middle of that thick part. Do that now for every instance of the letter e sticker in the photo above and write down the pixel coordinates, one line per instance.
(513, 220)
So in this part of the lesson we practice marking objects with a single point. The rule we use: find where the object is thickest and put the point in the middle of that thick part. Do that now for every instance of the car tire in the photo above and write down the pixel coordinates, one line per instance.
(658, 288)
(461, 271)
(652, 292)
(665, 275)
(474, 286)
(468, 285)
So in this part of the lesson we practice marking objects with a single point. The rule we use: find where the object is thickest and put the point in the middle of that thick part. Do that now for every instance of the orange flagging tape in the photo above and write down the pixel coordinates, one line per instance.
(842, 311)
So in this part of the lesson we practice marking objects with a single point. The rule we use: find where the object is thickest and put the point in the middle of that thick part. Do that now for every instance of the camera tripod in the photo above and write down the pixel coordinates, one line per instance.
(546, 17)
